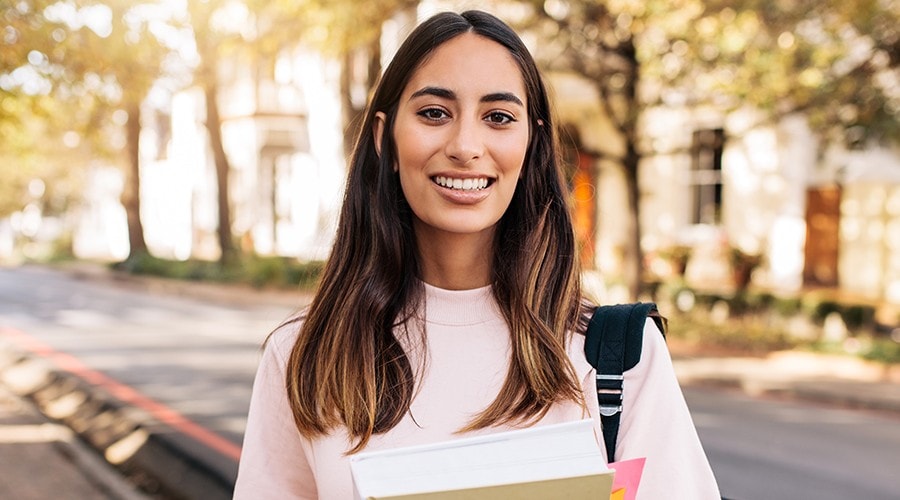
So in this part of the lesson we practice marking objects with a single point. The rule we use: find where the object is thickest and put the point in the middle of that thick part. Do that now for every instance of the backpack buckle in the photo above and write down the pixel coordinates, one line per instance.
(609, 393)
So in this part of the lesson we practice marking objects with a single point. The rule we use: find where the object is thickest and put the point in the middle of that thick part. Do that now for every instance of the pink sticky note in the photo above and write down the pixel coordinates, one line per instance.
(628, 476)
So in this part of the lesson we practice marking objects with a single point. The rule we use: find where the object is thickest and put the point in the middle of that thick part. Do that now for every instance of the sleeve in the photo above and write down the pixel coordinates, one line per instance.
(273, 462)
(656, 424)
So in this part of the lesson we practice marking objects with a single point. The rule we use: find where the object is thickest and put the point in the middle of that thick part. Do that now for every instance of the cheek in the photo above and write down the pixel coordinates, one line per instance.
(412, 148)
(408, 188)
(512, 155)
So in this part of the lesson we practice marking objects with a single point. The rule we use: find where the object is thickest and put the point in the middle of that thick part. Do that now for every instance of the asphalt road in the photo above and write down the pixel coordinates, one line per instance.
(182, 359)
(770, 449)
(197, 356)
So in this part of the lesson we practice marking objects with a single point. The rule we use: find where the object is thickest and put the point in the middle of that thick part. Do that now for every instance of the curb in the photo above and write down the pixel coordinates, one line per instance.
(139, 446)
(88, 466)
(826, 379)
(220, 292)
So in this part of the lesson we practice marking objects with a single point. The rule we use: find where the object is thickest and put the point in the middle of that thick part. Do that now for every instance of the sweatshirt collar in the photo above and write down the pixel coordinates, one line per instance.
(460, 307)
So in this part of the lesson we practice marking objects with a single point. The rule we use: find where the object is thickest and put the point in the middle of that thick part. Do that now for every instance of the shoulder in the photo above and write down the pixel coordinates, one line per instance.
(653, 342)
(281, 341)
(575, 350)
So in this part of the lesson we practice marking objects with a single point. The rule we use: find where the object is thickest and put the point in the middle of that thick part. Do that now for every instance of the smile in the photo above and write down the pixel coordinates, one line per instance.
(469, 184)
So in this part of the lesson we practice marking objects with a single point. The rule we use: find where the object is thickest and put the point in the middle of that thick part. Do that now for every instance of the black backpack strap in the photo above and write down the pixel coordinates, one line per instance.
(612, 346)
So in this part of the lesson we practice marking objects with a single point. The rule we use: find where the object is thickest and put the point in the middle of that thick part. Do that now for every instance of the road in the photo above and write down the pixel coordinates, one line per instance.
(772, 450)
(184, 356)
(197, 356)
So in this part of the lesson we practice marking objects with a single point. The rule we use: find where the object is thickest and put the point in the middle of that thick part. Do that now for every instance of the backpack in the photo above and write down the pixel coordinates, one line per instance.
(613, 346)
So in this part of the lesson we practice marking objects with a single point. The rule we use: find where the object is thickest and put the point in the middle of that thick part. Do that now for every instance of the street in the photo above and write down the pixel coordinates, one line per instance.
(197, 356)
(769, 449)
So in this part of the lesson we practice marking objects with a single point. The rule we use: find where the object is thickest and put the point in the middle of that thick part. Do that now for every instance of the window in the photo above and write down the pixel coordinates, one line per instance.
(706, 175)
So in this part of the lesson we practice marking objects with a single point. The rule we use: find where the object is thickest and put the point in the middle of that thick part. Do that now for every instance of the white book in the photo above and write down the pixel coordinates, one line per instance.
(559, 460)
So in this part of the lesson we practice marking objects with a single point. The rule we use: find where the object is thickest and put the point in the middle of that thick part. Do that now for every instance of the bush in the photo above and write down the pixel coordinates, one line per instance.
(883, 350)
(858, 316)
(280, 272)
(742, 335)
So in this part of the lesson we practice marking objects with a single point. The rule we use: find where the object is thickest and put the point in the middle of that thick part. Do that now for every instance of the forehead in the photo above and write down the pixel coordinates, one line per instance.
(469, 64)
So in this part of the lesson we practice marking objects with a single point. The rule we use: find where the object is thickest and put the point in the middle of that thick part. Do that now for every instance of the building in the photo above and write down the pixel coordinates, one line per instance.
(714, 182)
(717, 182)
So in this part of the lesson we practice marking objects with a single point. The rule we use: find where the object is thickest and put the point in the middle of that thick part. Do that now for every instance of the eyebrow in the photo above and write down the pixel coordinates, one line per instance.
(449, 94)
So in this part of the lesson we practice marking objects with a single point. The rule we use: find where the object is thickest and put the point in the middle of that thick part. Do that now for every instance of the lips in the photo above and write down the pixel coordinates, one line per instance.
(462, 184)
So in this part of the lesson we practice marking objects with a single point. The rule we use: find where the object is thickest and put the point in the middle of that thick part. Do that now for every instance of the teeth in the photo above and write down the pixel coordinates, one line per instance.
(462, 184)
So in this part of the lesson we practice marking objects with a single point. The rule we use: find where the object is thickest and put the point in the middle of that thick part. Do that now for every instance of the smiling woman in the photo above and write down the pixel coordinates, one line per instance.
(451, 302)
(460, 133)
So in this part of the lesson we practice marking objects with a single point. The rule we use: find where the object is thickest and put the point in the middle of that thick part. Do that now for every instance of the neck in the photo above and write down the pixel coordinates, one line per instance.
(455, 261)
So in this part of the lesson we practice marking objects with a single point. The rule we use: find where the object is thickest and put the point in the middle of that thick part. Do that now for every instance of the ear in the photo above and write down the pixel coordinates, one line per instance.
(378, 130)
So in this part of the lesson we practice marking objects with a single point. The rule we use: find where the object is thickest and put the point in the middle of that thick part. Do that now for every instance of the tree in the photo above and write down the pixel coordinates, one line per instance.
(597, 41)
(836, 61)
(133, 56)
(96, 58)
(264, 29)
(344, 29)
(353, 34)
(33, 152)
(31, 117)
(210, 45)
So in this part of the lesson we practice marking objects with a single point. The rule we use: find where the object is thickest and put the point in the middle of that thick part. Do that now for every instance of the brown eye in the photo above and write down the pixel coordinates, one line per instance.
(433, 114)
(498, 118)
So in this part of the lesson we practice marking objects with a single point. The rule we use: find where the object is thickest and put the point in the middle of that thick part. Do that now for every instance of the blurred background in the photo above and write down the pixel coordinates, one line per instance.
(714, 148)
(736, 161)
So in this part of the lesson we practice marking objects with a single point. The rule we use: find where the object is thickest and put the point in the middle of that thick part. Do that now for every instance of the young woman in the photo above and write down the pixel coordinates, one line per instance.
(450, 305)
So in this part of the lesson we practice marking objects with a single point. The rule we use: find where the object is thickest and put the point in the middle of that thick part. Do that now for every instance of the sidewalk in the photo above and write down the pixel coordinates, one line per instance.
(827, 379)
(30, 442)
(831, 380)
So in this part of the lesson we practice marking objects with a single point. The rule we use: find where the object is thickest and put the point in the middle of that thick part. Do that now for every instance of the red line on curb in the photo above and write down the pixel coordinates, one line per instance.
(124, 393)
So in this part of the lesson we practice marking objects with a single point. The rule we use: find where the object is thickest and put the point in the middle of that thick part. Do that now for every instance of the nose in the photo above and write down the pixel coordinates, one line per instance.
(466, 143)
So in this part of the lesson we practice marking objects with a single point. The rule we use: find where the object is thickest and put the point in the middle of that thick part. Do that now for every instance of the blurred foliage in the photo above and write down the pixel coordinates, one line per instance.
(258, 271)
(73, 72)
(35, 165)
(96, 61)
(748, 336)
(743, 336)
(817, 307)
(882, 350)
(836, 61)
(755, 322)
(89, 56)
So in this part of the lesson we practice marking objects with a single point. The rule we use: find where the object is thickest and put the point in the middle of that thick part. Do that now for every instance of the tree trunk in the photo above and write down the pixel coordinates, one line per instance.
(352, 113)
(634, 256)
(214, 126)
(131, 195)
(349, 113)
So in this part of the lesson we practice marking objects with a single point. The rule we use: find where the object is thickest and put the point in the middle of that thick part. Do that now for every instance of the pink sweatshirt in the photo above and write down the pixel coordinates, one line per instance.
(468, 350)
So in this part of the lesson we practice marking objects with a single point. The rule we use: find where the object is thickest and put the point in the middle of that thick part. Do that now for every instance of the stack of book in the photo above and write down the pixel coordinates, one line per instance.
(552, 461)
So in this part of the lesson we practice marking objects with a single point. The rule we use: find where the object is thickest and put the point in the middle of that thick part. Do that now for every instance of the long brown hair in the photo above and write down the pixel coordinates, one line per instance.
(348, 367)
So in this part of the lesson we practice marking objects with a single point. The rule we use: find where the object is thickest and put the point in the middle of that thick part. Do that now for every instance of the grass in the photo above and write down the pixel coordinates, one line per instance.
(261, 272)
(882, 350)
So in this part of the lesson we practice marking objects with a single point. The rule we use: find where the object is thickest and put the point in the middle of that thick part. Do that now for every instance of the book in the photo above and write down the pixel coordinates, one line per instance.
(627, 478)
(551, 461)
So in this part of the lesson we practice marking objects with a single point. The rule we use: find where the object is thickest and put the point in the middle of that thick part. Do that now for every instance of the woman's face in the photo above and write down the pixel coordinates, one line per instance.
(461, 134)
